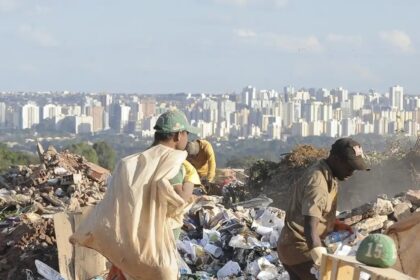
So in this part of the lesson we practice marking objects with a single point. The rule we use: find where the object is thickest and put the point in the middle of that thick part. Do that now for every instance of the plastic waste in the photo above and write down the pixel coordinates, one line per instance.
(336, 236)
(47, 272)
(213, 250)
(231, 268)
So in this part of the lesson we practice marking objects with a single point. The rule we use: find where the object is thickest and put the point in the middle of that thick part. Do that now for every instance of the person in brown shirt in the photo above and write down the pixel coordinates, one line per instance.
(310, 215)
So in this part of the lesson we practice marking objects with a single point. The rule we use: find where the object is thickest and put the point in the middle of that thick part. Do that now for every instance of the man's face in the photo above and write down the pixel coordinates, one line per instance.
(182, 140)
(342, 169)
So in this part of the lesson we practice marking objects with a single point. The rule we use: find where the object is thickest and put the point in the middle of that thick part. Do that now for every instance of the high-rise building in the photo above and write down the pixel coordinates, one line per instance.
(29, 115)
(274, 131)
(340, 94)
(120, 116)
(49, 111)
(2, 114)
(333, 128)
(148, 107)
(248, 94)
(300, 128)
(97, 114)
(396, 94)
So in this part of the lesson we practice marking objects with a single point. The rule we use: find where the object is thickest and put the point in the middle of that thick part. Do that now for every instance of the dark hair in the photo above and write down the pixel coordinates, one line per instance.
(162, 137)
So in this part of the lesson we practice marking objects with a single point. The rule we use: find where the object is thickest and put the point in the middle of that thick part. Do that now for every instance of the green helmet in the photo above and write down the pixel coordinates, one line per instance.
(377, 250)
(174, 121)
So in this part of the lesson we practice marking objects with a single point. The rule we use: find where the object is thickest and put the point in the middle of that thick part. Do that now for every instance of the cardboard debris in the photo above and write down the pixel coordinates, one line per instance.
(226, 234)
(29, 195)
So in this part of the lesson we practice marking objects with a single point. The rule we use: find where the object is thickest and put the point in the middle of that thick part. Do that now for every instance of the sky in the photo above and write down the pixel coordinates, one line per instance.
(213, 46)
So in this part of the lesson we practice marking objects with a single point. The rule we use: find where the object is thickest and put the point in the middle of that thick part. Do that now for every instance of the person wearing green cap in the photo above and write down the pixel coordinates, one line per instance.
(133, 226)
(172, 129)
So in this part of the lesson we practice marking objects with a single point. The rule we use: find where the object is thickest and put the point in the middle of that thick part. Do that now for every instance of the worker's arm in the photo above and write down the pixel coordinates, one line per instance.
(314, 203)
(310, 229)
(184, 190)
(211, 163)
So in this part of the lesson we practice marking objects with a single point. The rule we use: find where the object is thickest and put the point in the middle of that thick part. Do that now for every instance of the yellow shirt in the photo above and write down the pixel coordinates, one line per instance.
(191, 174)
(204, 161)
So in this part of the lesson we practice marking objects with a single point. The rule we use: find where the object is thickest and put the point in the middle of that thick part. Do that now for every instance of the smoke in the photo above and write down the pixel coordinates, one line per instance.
(391, 177)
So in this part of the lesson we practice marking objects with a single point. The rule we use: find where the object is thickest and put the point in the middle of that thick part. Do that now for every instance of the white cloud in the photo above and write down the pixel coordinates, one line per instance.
(281, 42)
(40, 37)
(276, 3)
(397, 39)
(8, 5)
(364, 73)
(42, 9)
(344, 39)
(244, 33)
(292, 43)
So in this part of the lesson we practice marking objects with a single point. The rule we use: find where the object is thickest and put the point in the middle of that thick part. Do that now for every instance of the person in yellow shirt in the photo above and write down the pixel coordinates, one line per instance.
(201, 156)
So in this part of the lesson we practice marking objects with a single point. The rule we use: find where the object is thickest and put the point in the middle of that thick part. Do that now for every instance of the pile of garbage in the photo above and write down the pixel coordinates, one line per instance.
(379, 215)
(231, 242)
(225, 234)
(30, 195)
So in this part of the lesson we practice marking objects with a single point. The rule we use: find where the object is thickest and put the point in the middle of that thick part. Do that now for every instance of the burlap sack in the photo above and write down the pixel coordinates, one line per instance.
(131, 225)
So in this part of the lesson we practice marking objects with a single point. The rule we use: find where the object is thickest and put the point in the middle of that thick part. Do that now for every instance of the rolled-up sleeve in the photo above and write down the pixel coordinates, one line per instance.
(315, 198)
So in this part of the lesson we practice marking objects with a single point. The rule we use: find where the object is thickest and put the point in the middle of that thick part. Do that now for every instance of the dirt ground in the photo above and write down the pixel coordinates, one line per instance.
(26, 243)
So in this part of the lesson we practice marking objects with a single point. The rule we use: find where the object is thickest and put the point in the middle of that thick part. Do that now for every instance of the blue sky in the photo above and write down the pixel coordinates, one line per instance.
(208, 45)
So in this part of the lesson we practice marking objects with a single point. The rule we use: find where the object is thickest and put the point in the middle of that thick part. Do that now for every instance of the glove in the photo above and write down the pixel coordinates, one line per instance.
(338, 226)
(316, 254)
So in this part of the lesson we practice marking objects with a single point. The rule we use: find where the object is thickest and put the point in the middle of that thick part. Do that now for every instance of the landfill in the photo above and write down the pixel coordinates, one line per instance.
(227, 233)
(30, 195)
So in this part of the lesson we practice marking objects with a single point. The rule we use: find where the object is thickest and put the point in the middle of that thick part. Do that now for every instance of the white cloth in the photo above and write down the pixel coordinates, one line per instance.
(131, 226)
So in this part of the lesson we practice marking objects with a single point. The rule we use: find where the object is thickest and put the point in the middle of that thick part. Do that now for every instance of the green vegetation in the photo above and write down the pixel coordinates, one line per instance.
(106, 154)
(100, 153)
(85, 150)
(9, 157)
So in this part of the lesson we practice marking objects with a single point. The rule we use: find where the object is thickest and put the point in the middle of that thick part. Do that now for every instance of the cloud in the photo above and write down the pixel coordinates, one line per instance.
(40, 37)
(276, 3)
(244, 33)
(344, 39)
(364, 73)
(397, 39)
(8, 5)
(286, 43)
(292, 43)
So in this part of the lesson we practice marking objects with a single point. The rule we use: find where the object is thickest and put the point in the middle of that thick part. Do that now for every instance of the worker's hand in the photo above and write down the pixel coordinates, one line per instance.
(204, 181)
(316, 254)
(338, 225)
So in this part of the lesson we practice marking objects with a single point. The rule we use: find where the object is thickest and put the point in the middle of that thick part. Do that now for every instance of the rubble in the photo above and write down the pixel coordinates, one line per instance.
(28, 198)
(229, 233)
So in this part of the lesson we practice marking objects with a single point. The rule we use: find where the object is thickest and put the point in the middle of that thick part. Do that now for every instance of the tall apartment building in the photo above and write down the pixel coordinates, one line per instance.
(50, 111)
(2, 114)
(248, 94)
(29, 115)
(97, 114)
(396, 94)
(340, 94)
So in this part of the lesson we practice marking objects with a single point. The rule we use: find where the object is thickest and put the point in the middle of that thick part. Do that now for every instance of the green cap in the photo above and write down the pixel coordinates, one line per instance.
(174, 121)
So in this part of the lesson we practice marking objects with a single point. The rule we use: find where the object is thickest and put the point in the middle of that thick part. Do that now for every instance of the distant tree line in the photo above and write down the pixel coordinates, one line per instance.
(9, 157)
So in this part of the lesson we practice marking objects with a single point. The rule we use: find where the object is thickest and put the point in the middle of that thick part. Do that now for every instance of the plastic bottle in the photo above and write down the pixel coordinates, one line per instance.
(336, 236)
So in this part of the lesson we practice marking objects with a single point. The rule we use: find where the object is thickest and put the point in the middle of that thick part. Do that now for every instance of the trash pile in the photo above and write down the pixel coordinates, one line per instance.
(379, 215)
(236, 242)
(30, 195)
(224, 236)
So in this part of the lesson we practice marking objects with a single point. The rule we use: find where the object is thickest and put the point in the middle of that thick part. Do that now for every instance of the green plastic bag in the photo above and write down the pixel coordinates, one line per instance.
(377, 250)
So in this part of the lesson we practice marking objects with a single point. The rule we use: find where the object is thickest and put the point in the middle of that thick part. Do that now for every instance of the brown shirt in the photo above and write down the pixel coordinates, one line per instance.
(314, 194)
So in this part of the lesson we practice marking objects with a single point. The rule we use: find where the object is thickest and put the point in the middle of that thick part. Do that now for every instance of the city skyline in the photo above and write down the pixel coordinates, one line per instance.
(253, 113)
(213, 46)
